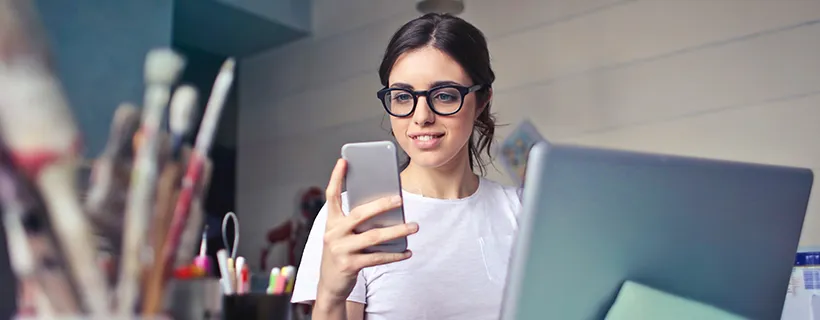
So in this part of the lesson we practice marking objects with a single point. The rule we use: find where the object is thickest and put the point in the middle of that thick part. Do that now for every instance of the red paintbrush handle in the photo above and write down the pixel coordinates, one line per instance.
(32, 162)
(181, 211)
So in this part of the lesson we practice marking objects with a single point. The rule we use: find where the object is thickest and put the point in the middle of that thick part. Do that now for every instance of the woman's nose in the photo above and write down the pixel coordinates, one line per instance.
(423, 115)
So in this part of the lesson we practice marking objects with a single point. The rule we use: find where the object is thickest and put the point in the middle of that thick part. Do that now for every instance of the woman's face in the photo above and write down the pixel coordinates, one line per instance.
(429, 139)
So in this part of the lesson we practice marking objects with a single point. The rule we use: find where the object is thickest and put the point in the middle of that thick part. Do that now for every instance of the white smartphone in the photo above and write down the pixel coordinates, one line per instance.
(373, 173)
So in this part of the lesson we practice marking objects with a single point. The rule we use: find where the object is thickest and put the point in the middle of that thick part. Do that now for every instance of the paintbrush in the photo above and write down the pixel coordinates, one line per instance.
(180, 117)
(105, 201)
(167, 192)
(34, 255)
(192, 234)
(162, 68)
(117, 154)
(180, 123)
(197, 162)
(39, 130)
(182, 106)
(157, 278)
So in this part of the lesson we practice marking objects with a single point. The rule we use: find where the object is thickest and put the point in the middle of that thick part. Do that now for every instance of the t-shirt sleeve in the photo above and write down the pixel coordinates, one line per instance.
(307, 275)
(514, 196)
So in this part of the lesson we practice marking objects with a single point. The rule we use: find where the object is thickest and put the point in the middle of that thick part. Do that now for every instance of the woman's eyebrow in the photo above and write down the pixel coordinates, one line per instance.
(434, 84)
(444, 83)
(401, 86)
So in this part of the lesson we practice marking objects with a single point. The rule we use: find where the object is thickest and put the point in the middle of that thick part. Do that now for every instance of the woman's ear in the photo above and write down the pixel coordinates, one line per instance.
(486, 103)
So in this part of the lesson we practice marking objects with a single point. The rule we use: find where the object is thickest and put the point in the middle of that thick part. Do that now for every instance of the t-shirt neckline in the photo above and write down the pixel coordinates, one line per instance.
(416, 196)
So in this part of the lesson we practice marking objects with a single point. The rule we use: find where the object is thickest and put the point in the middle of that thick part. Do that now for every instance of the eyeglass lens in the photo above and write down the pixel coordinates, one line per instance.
(400, 102)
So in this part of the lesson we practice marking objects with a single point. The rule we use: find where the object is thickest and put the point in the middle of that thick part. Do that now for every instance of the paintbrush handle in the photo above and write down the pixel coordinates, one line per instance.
(214, 106)
(167, 195)
(60, 298)
(136, 215)
(181, 212)
(38, 127)
(75, 235)
(33, 249)
(140, 200)
(192, 234)
(183, 205)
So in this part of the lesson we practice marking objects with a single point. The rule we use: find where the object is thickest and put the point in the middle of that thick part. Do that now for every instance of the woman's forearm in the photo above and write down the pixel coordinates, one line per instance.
(325, 308)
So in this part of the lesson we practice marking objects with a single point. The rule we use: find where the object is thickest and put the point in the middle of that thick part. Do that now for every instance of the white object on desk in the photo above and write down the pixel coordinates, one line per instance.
(803, 296)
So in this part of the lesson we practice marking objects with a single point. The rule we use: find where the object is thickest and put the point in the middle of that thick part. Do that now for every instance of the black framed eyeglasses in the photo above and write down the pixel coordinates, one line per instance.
(443, 100)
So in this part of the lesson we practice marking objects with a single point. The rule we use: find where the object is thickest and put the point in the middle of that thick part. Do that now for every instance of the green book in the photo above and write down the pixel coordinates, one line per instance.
(639, 302)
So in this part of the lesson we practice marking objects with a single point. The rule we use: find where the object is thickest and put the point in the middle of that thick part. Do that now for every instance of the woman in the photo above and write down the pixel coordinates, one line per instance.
(438, 88)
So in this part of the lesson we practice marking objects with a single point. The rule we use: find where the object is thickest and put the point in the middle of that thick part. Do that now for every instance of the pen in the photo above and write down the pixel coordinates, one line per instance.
(245, 278)
(232, 274)
(281, 281)
(224, 271)
(274, 276)
(201, 261)
(240, 285)
(290, 274)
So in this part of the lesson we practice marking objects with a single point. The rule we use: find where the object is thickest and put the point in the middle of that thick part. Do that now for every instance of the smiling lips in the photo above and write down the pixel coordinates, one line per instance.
(426, 140)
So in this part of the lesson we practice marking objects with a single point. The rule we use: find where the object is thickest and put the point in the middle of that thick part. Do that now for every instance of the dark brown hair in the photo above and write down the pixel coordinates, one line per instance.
(466, 45)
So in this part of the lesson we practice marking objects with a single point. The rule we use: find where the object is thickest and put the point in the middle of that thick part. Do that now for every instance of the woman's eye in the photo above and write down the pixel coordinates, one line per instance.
(445, 97)
(402, 97)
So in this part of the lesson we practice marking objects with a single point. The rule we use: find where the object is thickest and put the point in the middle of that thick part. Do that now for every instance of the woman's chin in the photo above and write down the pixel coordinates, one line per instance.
(430, 160)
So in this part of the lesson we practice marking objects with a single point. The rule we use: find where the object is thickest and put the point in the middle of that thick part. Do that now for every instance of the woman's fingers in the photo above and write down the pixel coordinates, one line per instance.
(351, 264)
(366, 260)
(355, 243)
(333, 193)
(368, 210)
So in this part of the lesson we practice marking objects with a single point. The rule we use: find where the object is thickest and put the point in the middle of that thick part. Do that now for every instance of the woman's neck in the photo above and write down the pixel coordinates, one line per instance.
(454, 180)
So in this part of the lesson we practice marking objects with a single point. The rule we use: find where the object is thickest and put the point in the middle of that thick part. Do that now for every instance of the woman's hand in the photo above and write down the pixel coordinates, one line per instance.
(342, 258)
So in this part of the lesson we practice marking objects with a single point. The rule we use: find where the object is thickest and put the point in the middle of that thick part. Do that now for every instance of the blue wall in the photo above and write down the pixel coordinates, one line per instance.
(99, 47)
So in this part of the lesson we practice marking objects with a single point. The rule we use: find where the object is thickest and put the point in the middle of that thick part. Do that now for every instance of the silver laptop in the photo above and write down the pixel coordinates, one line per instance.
(721, 233)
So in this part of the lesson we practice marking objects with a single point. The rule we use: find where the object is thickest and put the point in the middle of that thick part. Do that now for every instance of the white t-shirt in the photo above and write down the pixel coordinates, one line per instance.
(459, 262)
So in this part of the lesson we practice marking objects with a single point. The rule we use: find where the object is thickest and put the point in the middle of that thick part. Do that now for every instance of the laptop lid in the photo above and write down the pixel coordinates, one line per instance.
(718, 232)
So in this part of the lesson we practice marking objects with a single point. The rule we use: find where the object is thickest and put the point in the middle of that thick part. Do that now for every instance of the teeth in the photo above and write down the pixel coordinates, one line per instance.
(424, 138)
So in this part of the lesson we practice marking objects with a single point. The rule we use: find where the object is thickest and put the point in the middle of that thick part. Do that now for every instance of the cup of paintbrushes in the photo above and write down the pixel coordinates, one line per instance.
(256, 306)
(194, 299)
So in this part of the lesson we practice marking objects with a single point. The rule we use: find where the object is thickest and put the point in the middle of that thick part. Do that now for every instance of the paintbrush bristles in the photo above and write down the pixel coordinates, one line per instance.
(163, 66)
(20, 34)
(126, 123)
(126, 120)
(183, 104)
